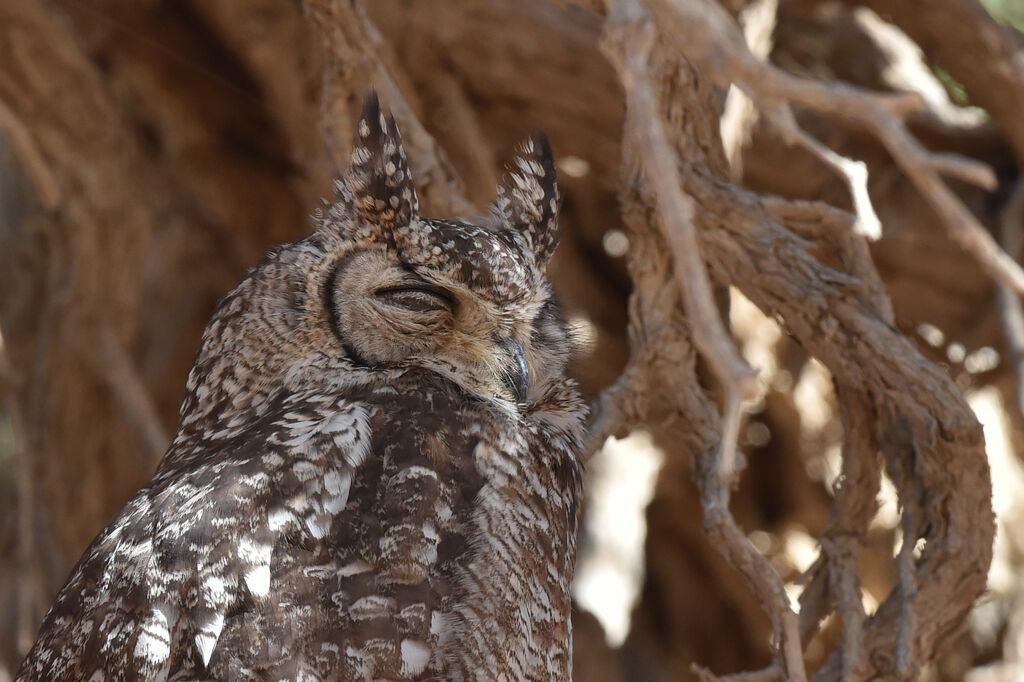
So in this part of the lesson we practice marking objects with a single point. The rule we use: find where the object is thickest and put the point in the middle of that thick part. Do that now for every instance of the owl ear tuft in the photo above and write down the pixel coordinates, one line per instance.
(527, 200)
(379, 180)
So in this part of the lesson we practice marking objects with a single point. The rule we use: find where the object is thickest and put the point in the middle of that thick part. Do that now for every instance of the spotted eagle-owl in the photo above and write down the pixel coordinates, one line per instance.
(376, 474)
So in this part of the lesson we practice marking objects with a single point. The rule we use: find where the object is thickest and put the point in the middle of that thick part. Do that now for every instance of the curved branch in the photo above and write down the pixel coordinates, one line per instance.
(841, 326)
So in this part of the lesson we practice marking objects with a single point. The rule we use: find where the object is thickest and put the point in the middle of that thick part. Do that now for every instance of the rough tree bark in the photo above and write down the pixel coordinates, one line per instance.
(149, 152)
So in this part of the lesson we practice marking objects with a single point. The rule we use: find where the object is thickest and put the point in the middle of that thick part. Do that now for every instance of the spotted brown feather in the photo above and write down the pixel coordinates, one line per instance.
(356, 489)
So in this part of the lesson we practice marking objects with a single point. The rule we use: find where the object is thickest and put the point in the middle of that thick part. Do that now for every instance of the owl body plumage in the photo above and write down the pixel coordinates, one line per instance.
(376, 475)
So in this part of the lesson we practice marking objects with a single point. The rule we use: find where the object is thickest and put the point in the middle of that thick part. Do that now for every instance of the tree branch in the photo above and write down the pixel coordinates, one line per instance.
(628, 42)
(706, 35)
(1011, 224)
(628, 45)
(854, 173)
(963, 38)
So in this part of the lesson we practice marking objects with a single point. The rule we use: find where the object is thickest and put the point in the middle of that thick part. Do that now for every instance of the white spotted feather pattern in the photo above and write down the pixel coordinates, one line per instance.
(376, 473)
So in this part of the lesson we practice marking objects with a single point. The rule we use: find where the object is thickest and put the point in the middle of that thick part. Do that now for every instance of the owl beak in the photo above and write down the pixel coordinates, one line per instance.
(517, 375)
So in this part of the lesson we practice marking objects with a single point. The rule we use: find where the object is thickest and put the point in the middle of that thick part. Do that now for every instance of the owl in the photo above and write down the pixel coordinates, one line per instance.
(376, 475)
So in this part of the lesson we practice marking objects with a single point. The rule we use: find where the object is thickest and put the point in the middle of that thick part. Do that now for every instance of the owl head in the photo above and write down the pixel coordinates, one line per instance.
(378, 289)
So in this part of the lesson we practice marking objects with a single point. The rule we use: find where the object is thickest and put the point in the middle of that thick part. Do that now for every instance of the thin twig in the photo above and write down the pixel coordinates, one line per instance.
(1011, 224)
(854, 173)
(962, 168)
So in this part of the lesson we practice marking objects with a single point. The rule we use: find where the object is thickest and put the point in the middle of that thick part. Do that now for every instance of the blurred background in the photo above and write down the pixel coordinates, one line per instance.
(152, 150)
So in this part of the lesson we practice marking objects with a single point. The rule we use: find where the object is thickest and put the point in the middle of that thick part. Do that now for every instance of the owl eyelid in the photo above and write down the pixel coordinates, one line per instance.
(443, 297)
(421, 287)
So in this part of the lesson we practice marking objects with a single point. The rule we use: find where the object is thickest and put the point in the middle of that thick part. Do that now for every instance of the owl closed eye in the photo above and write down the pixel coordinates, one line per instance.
(416, 296)
(447, 296)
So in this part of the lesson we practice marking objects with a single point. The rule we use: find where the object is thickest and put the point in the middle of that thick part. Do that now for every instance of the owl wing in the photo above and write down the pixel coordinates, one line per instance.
(267, 556)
